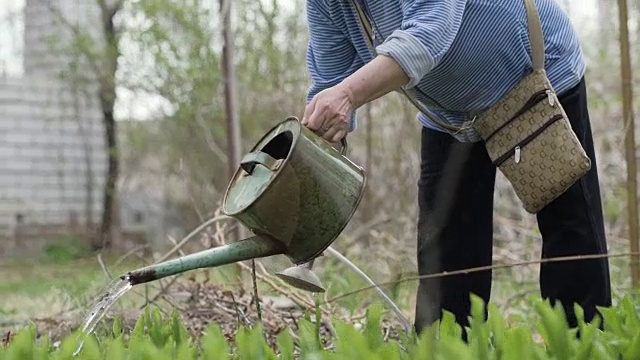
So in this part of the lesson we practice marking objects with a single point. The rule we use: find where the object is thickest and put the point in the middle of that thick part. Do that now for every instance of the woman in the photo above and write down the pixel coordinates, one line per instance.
(458, 57)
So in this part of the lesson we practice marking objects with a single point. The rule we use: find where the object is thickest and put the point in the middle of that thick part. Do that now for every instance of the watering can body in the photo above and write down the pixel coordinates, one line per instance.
(293, 190)
(296, 189)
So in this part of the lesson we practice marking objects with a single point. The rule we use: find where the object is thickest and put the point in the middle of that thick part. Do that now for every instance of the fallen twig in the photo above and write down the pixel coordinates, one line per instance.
(104, 267)
(122, 258)
(175, 243)
(193, 233)
(521, 295)
(255, 288)
(162, 291)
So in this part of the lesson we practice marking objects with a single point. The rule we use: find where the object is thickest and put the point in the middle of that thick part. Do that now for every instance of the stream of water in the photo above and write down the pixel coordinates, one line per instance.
(115, 290)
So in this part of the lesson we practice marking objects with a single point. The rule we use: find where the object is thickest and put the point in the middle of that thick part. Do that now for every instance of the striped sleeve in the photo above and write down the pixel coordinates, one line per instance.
(427, 32)
(331, 57)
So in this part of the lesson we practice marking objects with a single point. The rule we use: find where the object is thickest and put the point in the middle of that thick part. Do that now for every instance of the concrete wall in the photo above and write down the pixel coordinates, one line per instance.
(52, 157)
(51, 153)
(51, 20)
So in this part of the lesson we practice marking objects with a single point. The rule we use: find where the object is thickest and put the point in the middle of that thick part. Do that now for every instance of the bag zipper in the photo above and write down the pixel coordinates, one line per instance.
(533, 101)
(518, 148)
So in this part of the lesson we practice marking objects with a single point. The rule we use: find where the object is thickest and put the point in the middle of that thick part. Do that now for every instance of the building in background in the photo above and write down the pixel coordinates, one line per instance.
(52, 155)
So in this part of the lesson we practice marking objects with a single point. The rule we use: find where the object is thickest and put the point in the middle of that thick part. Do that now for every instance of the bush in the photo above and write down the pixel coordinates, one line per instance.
(162, 339)
(65, 249)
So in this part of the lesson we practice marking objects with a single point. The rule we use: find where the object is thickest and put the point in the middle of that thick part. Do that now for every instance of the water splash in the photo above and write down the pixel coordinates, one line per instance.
(114, 291)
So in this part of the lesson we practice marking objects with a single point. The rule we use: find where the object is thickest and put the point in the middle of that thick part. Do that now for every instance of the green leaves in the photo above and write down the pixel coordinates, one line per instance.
(554, 330)
(156, 338)
(251, 344)
(214, 345)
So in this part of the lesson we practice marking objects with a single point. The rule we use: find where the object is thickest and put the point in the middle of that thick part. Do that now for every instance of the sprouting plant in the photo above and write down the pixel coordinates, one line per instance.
(491, 338)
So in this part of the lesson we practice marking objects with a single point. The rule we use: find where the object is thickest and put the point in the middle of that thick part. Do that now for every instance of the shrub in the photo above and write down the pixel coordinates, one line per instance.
(64, 249)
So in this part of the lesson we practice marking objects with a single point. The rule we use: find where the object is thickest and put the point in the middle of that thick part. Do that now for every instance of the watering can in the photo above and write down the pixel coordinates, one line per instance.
(295, 192)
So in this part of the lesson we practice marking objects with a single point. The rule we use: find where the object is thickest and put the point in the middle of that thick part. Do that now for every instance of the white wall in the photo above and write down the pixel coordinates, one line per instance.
(51, 137)
(46, 138)
(44, 19)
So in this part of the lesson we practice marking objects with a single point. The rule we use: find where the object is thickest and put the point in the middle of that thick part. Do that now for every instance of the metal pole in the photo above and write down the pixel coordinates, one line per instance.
(630, 142)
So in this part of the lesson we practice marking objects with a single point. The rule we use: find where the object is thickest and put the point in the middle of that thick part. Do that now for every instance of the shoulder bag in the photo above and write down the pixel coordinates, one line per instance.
(527, 133)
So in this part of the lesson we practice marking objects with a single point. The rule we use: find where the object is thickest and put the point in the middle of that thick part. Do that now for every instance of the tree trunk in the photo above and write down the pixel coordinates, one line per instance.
(105, 239)
(630, 141)
(369, 209)
(231, 104)
(107, 101)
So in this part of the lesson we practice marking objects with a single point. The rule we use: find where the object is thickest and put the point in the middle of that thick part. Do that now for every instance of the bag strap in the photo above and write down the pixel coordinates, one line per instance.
(535, 39)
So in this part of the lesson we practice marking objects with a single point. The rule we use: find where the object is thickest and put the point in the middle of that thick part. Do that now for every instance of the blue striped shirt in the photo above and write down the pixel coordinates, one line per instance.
(461, 56)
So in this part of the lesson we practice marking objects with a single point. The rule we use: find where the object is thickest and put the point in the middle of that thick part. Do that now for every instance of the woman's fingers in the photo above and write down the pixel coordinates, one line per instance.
(328, 114)
(309, 111)
(334, 130)
(338, 136)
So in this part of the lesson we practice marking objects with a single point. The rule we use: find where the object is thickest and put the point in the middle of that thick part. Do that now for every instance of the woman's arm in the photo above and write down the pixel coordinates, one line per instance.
(379, 77)
(332, 110)
(331, 56)
(428, 29)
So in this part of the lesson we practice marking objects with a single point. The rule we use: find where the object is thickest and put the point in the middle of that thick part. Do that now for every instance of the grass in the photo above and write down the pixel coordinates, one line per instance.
(57, 285)
(35, 279)
(47, 289)
(43, 289)
(54, 286)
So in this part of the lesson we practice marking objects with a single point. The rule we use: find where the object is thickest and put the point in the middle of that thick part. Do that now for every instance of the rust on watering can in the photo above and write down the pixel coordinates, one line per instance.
(295, 188)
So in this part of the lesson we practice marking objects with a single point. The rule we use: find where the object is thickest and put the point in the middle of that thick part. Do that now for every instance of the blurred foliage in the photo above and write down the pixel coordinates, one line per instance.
(173, 51)
(65, 249)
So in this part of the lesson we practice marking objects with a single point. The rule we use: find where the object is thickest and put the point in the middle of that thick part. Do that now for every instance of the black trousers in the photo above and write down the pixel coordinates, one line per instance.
(455, 227)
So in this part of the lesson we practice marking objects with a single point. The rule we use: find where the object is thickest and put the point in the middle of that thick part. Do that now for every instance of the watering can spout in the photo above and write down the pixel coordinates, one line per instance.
(250, 248)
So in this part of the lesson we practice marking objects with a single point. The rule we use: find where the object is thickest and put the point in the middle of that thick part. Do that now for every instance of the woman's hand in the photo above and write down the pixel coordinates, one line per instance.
(329, 113)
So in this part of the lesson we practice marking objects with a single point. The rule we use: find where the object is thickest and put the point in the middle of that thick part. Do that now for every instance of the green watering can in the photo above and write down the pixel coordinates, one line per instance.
(295, 192)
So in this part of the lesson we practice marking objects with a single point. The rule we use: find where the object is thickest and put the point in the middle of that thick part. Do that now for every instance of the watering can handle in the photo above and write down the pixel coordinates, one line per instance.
(345, 146)
(250, 160)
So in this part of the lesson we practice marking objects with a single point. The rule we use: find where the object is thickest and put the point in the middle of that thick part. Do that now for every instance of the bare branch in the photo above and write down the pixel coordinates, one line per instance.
(76, 32)
(103, 5)
(104, 268)
(191, 235)
(211, 143)
(485, 268)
